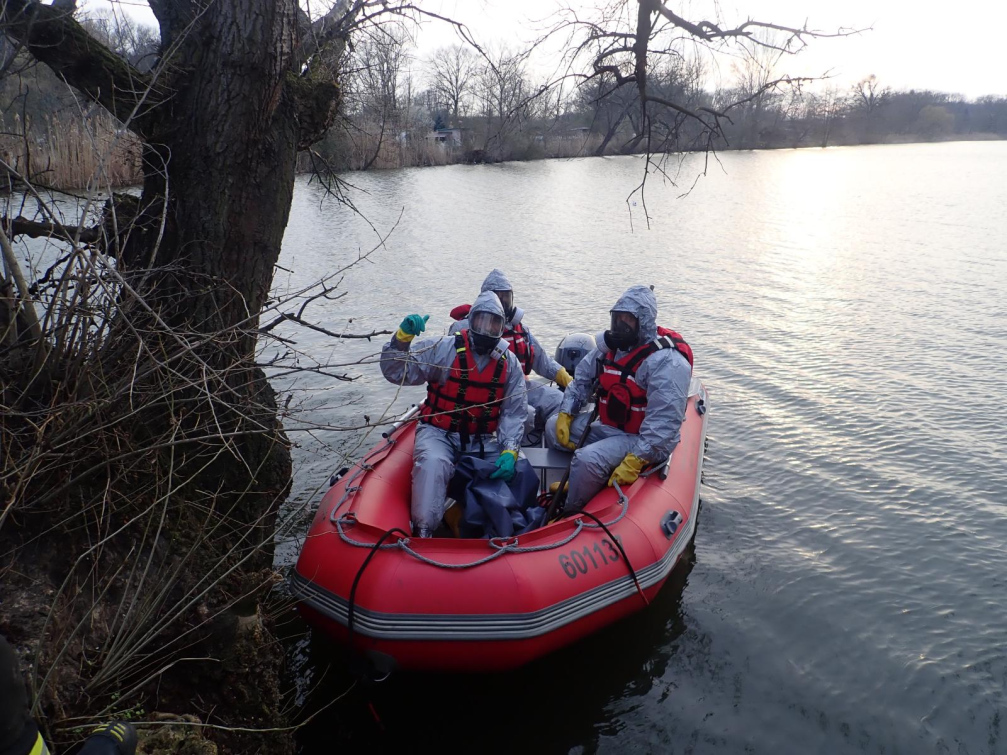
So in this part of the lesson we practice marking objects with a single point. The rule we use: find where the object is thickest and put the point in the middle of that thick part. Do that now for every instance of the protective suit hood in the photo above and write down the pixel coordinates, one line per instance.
(496, 281)
(640, 302)
(487, 301)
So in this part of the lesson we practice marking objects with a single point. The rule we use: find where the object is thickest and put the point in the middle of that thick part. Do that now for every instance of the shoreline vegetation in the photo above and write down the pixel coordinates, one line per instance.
(67, 154)
(494, 114)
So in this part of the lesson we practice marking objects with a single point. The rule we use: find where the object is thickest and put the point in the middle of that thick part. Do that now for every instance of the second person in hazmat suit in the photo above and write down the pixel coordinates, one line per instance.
(543, 400)
(642, 373)
(475, 402)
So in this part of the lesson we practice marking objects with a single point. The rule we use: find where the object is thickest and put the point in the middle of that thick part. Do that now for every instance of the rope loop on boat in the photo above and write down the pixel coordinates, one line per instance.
(433, 562)
(362, 467)
(503, 543)
(350, 519)
(500, 545)
(623, 501)
(509, 545)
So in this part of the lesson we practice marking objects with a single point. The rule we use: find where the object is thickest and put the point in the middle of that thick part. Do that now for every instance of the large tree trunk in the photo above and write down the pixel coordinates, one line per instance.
(169, 405)
(224, 155)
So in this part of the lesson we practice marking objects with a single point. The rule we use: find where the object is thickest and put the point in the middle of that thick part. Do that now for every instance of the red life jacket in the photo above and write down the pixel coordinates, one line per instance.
(622, 403)
(468, 400)
(521, 345)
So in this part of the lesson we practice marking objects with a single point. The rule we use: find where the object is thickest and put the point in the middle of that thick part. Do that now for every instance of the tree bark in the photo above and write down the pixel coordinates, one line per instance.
(221, 119)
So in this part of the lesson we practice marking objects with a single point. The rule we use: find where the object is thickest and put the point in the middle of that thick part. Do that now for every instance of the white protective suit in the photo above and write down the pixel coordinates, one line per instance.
(665, 375)
(543, 400)
(437, 451)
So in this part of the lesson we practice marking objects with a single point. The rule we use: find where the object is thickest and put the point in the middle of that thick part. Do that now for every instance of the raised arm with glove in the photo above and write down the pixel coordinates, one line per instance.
(475, 402)
(411, 327)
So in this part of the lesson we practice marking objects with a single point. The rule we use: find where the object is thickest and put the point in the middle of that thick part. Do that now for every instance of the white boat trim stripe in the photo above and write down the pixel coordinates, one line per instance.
(489, 626)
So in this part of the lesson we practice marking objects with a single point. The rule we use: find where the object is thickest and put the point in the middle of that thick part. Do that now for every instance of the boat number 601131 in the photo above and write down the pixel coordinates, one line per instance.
(579, 560)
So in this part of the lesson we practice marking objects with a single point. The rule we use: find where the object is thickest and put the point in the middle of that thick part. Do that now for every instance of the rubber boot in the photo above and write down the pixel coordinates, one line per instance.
(115, 738)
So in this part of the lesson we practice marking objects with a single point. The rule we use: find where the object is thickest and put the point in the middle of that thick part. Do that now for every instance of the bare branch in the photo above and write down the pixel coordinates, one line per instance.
(21, 226)
(55, 38)
(331, 333)
(708, 31)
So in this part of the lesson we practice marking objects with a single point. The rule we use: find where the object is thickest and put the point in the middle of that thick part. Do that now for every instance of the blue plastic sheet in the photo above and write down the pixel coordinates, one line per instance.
(494, 508)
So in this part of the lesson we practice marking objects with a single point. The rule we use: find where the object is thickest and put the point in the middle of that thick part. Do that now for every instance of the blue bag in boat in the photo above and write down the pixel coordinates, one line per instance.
(494, 508)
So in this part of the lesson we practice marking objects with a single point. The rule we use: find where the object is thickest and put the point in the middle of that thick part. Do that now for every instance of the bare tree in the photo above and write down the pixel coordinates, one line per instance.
(376, 87)
(451, 74)
(754, 92)
(135, 42)
(504, 95)
(869, 96)
(609, 106)
(624, 39)
(678, 78)
(826, 108)
(377, 67)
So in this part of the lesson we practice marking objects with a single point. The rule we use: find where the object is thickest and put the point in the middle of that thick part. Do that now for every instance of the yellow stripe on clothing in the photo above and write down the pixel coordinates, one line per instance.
(39, 748)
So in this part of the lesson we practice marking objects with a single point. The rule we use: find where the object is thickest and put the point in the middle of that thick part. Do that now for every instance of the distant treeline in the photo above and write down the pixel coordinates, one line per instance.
(867, 113)
(455, 105)
(462, 107)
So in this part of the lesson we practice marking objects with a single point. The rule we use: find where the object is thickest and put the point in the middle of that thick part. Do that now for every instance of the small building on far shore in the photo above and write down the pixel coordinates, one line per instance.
(450, 137)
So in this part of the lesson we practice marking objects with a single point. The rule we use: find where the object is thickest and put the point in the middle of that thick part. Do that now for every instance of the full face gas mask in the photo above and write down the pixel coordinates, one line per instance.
(485, 329)
(507, 302)
(624, 333)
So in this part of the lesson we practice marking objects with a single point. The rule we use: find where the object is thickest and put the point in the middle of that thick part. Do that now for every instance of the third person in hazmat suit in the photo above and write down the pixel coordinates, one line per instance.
(642, 373)
(543, 400)
(475, 401)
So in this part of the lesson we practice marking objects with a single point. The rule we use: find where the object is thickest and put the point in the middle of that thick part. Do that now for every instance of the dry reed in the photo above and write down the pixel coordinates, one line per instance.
(71, 153)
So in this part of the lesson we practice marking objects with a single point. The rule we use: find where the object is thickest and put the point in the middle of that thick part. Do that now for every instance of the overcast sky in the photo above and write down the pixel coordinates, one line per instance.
(950, 47)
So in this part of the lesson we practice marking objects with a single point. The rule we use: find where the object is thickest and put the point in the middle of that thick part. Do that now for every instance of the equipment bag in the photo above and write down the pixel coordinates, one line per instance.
(494, 508)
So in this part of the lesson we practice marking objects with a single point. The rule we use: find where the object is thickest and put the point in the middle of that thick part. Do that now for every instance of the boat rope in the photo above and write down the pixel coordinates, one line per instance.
(500, 545)
(625, 558)
(362, 467)
(623, 501)
(351, 612)
(503, 545)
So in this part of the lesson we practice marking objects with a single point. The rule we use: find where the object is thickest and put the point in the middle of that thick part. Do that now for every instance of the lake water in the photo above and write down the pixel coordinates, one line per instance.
(848, 311)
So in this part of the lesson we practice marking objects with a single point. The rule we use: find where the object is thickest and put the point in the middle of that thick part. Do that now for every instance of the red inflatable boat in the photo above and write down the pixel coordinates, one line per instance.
(451, 604)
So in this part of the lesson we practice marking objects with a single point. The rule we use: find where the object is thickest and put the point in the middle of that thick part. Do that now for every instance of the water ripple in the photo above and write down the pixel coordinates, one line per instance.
(847, 311)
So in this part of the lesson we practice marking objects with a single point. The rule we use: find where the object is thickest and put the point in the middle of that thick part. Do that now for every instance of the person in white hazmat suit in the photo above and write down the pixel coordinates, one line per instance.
(475, 401)
(642, 373)
(543, 400)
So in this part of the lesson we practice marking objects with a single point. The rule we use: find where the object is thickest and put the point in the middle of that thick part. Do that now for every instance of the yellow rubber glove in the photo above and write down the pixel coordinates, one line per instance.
(627, 472)
(563, 378)
(563, 430)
